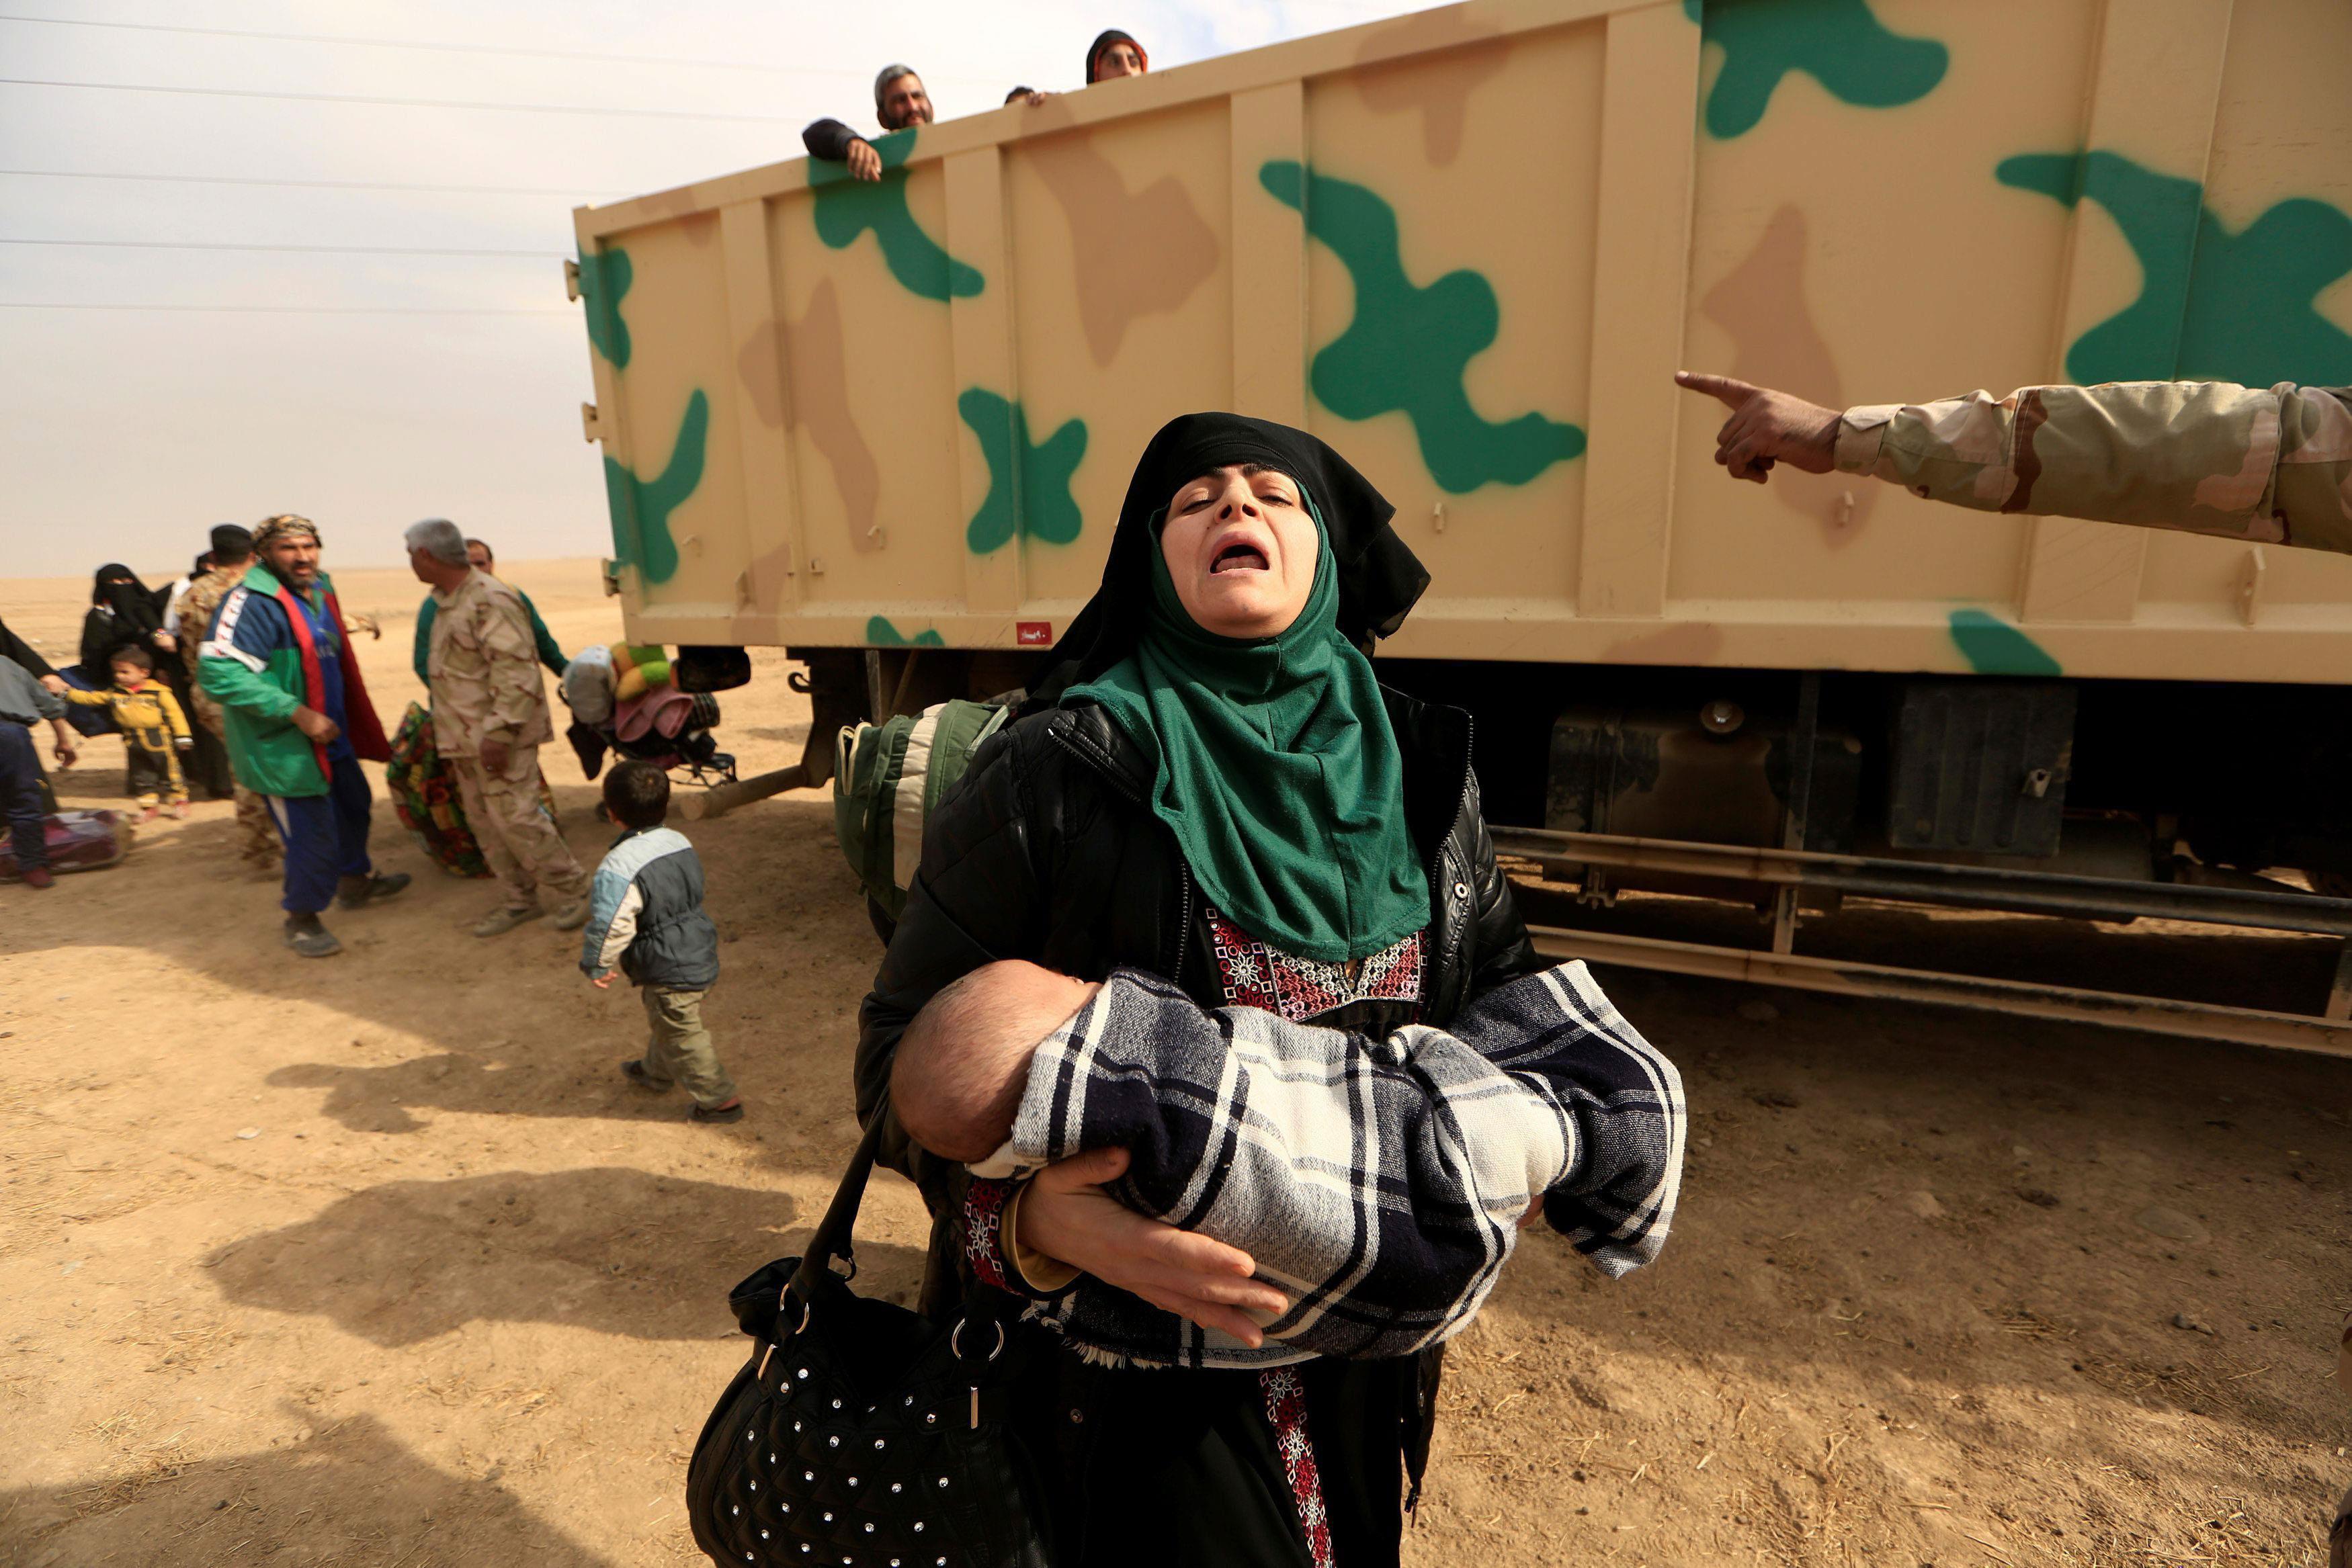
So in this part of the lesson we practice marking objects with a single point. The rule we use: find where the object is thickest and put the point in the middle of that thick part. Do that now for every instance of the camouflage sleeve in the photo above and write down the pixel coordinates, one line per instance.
(2272, 467)
(511, 668)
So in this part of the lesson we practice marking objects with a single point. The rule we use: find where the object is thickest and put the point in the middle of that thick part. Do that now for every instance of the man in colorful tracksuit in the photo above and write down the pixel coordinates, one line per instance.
(277, 660)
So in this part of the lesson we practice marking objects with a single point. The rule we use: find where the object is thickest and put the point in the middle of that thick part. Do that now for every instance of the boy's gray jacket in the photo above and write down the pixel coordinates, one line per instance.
(1539, 1089)
(645, 913)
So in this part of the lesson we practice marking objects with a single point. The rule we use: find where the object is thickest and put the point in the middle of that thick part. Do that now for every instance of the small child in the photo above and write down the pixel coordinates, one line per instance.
(646, 919)
(963, 1066)
(154, 730)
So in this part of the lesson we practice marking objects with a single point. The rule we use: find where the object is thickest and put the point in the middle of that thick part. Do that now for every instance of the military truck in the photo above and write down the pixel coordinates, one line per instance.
(886, 426)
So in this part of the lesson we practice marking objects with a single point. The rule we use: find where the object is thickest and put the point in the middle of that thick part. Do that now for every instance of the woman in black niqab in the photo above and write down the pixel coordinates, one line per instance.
(122, 611)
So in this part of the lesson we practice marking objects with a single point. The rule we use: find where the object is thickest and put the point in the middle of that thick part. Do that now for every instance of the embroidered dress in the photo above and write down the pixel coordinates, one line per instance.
(986, 1249)
(1286, 1412)
(1255, 975)
(1251, 974)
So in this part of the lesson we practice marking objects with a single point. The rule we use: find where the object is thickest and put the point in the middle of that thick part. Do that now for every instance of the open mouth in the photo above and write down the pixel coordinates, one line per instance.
(1239, 556)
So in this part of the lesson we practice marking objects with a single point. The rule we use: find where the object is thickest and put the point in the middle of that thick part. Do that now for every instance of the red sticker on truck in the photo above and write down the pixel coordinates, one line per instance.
(1033, 633)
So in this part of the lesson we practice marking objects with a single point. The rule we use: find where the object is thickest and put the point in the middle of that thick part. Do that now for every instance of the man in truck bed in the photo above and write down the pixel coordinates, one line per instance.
(899, 101)
(2209, 457)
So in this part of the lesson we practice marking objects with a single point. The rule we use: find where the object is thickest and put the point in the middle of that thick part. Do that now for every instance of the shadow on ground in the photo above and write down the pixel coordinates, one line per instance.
(1916, 1200)
(352, 1488)
(379, 1099)
(615, 1250)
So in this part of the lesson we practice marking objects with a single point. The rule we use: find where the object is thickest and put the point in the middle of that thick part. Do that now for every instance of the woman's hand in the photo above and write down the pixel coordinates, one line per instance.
(1066, 1215)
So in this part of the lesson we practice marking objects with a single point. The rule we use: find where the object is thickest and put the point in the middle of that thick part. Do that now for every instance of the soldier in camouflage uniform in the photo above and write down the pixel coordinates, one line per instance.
(490, 720)
(232, 555)
(2207, 457)
(2267, 466)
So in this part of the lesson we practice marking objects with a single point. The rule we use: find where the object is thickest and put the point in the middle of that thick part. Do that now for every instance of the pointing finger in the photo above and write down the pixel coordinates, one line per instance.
(1731, 392)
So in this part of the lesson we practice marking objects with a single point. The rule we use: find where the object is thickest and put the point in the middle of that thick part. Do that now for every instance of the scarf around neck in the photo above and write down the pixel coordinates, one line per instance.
(1274, 765)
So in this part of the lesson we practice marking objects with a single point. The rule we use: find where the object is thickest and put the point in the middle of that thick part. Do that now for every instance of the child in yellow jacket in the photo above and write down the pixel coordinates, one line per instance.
(154, 730)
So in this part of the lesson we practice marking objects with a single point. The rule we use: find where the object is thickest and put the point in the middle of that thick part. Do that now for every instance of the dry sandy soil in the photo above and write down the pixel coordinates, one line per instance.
(377, 1261)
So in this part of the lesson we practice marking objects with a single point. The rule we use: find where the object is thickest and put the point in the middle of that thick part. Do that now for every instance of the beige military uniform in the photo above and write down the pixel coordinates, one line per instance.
(484, 671)
(258, 837)
(2209, 457)
(2270, 466)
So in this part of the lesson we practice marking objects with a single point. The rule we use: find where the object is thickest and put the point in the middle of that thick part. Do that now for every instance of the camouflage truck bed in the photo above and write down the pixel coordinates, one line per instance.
(1468, 247)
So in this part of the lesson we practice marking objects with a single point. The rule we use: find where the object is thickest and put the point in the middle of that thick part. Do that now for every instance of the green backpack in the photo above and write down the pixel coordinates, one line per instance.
(887, 779)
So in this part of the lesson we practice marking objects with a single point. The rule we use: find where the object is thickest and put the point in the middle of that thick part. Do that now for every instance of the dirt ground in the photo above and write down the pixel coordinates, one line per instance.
(377, 1262)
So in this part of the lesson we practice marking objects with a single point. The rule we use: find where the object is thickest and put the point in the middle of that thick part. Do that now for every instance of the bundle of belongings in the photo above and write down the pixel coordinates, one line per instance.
(425, 795)
(76, 841)
(624, 699)
(1538, 1090)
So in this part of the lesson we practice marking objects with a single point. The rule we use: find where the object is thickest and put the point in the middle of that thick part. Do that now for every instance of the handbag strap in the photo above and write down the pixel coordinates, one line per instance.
(833, 1238)
(833, 1235)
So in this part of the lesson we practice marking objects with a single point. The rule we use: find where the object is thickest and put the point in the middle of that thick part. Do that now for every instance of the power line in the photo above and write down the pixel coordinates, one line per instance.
(288, 309)
(400, 102)
(459, 48)
(309, 184)
(306, 249)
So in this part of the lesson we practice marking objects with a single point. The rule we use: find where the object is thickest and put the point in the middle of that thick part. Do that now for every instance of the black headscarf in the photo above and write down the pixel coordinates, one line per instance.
(134, 620)
(108, 587)
(14, 647)
(1108, 36)
(1380, 577)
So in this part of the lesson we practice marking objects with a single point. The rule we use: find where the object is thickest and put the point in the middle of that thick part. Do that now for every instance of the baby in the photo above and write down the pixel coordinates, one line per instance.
(1376, 1181)
(963, 1063)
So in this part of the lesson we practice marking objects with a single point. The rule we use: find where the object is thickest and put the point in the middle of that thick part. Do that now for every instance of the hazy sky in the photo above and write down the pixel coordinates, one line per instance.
(363, 388)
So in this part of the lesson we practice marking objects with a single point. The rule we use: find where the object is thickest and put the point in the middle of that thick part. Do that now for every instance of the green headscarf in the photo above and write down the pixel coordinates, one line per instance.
(1277, 768)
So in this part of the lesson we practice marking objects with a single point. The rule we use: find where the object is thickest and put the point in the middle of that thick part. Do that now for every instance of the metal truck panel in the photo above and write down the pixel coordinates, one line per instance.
(1469, 247)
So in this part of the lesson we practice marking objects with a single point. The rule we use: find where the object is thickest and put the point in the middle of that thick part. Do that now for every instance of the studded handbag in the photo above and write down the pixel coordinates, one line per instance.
(859, 1434)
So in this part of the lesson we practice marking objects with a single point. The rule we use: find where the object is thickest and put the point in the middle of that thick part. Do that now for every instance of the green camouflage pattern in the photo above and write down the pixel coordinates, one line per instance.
(1469, 246)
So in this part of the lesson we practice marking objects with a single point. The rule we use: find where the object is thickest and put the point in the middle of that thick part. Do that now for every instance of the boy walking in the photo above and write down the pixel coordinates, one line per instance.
(646, 920)
(154, 730)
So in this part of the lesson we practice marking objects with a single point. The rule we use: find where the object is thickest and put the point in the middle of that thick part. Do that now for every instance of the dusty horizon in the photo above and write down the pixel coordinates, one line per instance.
(254, 271)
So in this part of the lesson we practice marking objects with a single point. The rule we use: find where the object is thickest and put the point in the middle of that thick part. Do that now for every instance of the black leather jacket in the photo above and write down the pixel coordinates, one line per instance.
(1046, 851)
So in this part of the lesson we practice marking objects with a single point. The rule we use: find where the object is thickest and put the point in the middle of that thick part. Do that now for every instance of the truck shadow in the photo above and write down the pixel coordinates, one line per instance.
(2034, 1239)
(615, 1250)
(355, 1485)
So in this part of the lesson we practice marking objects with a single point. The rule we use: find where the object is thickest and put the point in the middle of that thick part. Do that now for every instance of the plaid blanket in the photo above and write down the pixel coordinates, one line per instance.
(1379, 1182)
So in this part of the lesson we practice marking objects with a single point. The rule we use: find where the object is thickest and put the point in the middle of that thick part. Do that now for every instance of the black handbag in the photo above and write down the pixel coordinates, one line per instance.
(859, 1434)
